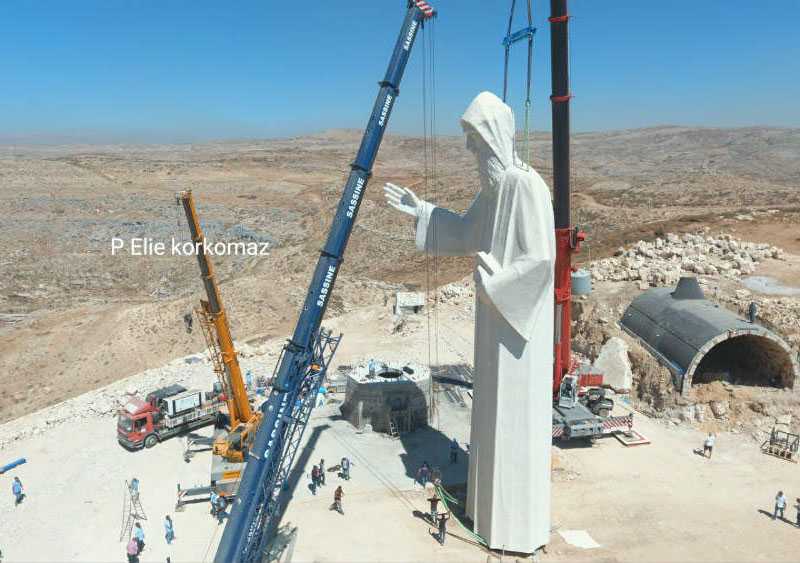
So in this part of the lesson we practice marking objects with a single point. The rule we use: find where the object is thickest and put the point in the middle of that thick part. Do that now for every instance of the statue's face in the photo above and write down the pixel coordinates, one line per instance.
(474, 141)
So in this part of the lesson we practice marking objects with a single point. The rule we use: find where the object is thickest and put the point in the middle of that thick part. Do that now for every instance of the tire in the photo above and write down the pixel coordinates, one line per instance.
(603, 412)
(150, 441)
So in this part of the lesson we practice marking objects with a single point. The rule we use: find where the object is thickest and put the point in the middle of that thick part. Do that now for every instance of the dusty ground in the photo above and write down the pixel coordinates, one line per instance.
(73, 317)
(658, 502)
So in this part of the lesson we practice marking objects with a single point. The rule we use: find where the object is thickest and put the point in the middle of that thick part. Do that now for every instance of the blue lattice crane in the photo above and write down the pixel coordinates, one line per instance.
(305, 358)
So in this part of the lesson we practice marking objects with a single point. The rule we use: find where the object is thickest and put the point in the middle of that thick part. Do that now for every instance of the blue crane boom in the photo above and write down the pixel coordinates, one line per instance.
(305, 358)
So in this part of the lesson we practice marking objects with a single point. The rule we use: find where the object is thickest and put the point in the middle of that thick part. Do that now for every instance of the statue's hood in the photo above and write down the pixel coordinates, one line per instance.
(493, 120)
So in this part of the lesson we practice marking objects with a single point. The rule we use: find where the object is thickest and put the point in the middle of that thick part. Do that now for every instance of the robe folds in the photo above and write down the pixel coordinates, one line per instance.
(510, 223)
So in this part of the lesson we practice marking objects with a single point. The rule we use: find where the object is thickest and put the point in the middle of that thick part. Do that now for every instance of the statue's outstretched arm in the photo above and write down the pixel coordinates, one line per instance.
(439, 231)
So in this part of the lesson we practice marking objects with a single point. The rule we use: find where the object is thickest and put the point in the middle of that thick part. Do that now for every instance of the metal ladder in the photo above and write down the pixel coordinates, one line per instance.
(131, 511)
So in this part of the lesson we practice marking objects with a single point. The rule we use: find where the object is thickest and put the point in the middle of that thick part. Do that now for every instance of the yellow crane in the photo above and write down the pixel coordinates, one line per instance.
(243, 420)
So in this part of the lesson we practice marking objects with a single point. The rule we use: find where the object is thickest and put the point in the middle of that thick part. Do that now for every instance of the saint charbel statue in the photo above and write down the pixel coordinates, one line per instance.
(509, 229)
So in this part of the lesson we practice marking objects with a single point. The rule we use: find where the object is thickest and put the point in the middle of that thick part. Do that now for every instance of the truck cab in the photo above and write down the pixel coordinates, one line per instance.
(136, 424)
(138, 421)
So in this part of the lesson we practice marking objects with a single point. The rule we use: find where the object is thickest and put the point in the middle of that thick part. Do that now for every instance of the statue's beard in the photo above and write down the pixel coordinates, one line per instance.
(490, 170)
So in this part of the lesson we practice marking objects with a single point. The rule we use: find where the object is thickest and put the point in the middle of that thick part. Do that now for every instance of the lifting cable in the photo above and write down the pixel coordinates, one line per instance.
(431, 180)
(446, 498)
(511, 38)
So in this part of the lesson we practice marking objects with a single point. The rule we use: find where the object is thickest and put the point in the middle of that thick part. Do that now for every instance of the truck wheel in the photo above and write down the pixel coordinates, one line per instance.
(150, 441)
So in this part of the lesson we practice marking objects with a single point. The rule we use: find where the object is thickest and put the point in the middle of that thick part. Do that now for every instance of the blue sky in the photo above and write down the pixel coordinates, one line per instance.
(188, 70)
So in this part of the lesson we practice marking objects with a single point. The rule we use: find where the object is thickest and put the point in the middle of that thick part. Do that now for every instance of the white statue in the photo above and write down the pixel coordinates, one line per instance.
(509, 228)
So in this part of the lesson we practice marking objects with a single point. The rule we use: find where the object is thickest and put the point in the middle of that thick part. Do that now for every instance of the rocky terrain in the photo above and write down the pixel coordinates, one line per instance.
(74, 316)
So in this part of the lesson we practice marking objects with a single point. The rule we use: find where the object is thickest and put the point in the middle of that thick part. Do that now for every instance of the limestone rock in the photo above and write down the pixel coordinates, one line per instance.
(719, 408)
(614, 364)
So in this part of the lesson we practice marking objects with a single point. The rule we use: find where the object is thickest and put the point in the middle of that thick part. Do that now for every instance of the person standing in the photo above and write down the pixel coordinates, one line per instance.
(797, 509)
(314, 479)
(138, 533)
(169, 529)
(337, 500)
(213, 498)
(780, 505)
(222, 504)
(345, 468)
(752, 312)
(134, 487)
(708, 445)
(132, 550)
(17, 490)
(443, 518)
(423, 472)
(434, 500)
(322, 472)
(454, 451)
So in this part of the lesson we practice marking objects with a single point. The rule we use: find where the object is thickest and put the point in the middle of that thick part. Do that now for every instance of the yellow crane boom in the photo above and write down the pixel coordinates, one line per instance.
(217, 332)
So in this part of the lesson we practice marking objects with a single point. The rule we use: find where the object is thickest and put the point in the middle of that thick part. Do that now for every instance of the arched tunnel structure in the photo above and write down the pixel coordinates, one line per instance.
(701, 342)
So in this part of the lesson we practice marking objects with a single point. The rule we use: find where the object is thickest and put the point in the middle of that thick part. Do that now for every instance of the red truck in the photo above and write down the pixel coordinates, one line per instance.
(164, 413)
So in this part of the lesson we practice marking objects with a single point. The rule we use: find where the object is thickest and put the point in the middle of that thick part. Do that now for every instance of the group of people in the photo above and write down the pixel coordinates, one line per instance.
(135, 546)
(318, 473)
(318, 480)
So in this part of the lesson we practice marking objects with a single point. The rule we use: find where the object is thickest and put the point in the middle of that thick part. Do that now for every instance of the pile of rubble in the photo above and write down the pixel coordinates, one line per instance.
(663, 261)
(780, 314)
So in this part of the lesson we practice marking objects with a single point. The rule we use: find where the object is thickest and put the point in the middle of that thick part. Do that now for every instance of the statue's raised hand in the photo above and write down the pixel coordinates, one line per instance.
(402, 199)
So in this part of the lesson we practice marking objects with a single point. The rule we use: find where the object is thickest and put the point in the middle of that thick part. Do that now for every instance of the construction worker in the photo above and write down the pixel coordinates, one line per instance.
(434, 500)
(169, 529)
(322, 472)
(780, 505)
(134, 486)
(797, 509)
(708, 445)
(423, 473)
(132, 550)
(345, 468)
(337, 500)
(314, 479)
(17, 490)
(752, 312)
(454, 451)
(222, 504)
(213, 498)
(138, 533)
(443, 518)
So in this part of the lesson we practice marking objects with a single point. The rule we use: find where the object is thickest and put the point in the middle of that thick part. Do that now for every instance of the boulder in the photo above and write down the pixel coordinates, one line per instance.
(614, 364)
(719, 408)
(700, 413)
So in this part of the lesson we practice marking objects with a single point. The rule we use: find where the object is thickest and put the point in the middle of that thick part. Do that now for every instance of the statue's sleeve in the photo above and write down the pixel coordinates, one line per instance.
(441, 232)
(519, 289)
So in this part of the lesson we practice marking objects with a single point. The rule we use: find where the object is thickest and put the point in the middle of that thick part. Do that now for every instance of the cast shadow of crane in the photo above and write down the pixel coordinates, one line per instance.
(301, 461)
